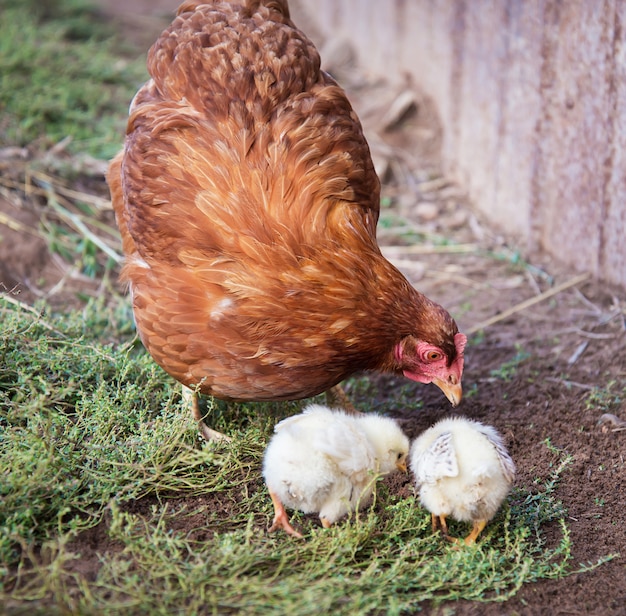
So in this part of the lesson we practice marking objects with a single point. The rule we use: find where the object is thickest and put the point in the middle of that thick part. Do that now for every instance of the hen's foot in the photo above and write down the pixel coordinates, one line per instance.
(211, 435)
(207, 433)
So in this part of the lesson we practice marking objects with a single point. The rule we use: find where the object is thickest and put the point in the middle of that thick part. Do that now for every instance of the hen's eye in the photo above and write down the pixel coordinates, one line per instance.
(433, 355)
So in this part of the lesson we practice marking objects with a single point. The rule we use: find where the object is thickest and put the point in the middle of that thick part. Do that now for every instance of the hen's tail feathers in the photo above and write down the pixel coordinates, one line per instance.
(252, 6)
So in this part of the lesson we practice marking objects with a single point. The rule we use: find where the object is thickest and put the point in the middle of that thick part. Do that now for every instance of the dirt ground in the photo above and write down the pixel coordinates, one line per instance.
(532, 374)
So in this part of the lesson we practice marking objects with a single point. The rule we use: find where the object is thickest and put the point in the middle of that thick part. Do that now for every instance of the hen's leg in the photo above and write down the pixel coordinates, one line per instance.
(336, 397)
(191, 397)
(280, 518)
(476, 530)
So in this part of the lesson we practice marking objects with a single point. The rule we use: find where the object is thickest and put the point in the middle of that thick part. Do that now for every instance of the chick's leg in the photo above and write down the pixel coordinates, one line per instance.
(476, 530)
(439, 522)
(191, 397)
(280, 518)
(444, 526)
(435, 522)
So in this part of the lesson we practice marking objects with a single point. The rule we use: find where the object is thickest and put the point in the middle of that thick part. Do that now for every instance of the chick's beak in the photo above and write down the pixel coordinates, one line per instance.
(451, 388)
(401, 465)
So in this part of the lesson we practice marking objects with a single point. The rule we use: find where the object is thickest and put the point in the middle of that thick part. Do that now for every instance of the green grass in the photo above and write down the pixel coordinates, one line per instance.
(508, 369)
(95, 435)
(62, 76)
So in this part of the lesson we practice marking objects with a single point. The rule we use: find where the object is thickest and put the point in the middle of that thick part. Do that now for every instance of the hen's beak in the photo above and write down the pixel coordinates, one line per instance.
(452, 389)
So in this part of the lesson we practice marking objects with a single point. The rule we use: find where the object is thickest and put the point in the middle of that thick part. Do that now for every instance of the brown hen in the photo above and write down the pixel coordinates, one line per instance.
(247, 202)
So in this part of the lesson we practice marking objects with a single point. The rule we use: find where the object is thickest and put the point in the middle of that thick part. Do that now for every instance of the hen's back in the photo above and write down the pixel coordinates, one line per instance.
(239, 141)
(216, 53)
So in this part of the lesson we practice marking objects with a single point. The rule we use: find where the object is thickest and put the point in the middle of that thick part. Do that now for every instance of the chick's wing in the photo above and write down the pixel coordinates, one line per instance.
(437, 461)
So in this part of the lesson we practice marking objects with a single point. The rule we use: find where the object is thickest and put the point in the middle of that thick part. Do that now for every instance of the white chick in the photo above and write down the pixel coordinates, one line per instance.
(462, 469)
(327, 461)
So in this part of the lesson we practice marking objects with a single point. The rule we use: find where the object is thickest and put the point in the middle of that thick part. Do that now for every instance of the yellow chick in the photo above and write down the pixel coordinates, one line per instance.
(462, 469)
(326, 461)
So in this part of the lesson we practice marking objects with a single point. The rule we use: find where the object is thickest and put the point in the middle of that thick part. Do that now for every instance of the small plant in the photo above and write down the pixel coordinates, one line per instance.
(518, 263)
(607, 398)
(472, 391)
(509, 368)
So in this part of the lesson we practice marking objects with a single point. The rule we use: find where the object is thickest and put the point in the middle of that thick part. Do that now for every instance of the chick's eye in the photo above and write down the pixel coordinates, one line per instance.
(399, 455)
(433, 355)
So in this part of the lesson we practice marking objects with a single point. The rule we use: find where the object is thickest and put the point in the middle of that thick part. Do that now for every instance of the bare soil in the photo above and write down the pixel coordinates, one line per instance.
(531, 375)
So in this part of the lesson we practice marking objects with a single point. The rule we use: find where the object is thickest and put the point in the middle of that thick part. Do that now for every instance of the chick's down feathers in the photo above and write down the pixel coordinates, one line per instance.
(247, 202)
(327, 461)
(463, 470)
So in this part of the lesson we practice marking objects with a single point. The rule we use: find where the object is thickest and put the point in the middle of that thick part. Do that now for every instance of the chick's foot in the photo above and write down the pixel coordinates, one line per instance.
(281, 520)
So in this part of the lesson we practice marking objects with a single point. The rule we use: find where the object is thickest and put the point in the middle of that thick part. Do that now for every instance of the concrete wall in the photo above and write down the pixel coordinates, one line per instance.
(532, 98)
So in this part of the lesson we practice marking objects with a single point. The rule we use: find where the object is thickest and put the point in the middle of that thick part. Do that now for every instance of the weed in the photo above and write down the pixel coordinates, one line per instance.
(509, 368)
(606, 398)
(518, 263)
(472, 391)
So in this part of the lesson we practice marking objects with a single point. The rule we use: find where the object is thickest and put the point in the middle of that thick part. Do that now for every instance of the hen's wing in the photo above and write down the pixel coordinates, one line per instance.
(239, 130)
(437, 461)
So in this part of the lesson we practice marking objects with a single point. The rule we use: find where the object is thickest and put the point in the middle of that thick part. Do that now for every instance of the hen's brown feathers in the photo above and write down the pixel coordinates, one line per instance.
(248, 202)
